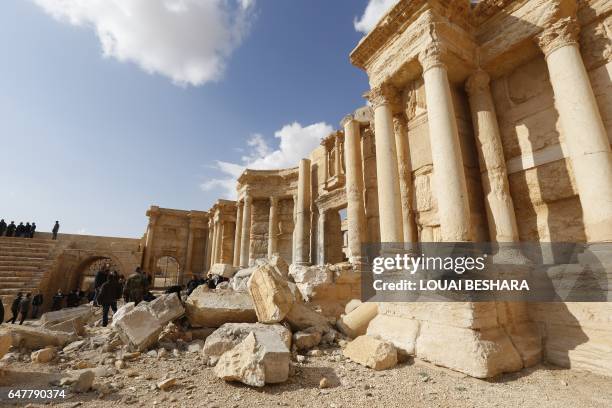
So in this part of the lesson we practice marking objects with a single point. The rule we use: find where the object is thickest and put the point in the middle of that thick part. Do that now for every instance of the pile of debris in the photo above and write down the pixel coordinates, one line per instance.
(253, 330)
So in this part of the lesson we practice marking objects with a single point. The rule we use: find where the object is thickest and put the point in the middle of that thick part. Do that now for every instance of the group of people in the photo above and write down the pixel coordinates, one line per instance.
(21, 307)
(20, 231)
(23, 231)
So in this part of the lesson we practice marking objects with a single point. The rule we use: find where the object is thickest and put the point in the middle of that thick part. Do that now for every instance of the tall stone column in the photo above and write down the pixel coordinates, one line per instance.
(321, 238)
(293, 236)
(219, 242)
(273, 227)
(355, 211)
(500, 208)
(404, 170)
(245, 242)
(215, 251)
(209, 244)
(149, 243)
(389, 204)
(238, 234)
(583, 129)
(188, 270)
(302, 226)
(449, 175)
(338, 158)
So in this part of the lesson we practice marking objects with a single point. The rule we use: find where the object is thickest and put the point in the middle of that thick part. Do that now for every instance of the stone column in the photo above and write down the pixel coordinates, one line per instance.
(187, 270)
(500, 208)
(582, 126)
(404, 170)
(217, 242)
(293, 239)
(355, 211)
(302, 227)
(273, 227)
(245, 242)
(449, 174)
(149, 243)
(209, 244)
(389, 204)
(321, 238)
(338, 158)
(238, 234)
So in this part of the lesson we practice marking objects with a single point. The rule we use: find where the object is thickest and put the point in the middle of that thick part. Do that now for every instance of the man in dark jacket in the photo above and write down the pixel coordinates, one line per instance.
(10, 230)
(55, 229)
(192, 284)
(2, 227)
(15, 308)
(24, 307)
(100, 278)
(37, 302)
(136, 286)
(27, 230)
(58, 298)
(109, 292)
(19, 230)
(1, 312)
(33, 230)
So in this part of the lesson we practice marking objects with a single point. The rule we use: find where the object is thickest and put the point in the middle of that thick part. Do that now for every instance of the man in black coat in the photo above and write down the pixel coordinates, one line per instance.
(37, 302)
(100, 278)
(27, 230)
(2, 227)
(24, 307)
(33, 230)
(58, 298)
(10, 230)
(20, 230)
(109, 292)
(55, 229)
(15, 308)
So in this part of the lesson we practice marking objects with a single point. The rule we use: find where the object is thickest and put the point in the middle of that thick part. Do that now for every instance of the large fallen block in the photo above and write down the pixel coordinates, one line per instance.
(214, 308)
(38, 337)
(224, 270)
(259, 359)
(271, 294)
(301, 317)
(6, 341)
(139, 328)
(371, 352)
(239, 281)
(122, 311)
(230, 335)
(75, 325)
(400, 332)
(310, 279)
(167, 308)
(83, 312)
(356, 323)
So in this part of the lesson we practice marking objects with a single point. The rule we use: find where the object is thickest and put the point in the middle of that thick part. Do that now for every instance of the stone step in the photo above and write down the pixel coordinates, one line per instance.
(30, 274)
(25, 243)
(13, 291)
(13, 259)
(23, 262)
(4, 239)
(19, 267)
(25, 254)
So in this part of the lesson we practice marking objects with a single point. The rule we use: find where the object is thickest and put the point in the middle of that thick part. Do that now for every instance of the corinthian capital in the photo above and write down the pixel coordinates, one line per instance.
(478, 82)
(383, 95)
(431, 56)
(558, 34)
(346, 120)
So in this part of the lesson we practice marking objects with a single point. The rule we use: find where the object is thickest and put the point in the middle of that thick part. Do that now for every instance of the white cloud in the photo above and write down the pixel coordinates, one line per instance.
(188, 41)
(372, 14)
(295, 142)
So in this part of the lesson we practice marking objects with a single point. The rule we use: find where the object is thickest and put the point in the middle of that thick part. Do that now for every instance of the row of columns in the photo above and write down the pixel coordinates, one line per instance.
(586, 139)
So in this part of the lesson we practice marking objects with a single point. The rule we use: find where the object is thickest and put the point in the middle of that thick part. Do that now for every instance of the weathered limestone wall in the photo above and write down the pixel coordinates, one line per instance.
(286, 225)
(259, 229)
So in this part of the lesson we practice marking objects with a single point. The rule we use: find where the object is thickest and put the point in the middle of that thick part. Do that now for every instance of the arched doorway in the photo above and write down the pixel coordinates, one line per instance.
(87, 276)
(167, 271)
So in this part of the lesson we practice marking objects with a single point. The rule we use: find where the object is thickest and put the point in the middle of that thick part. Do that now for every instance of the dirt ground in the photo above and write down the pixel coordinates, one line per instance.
(412, 384)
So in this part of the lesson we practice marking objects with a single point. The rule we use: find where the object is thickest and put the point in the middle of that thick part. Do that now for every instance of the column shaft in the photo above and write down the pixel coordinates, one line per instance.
(448, 172)
(404, 170)
(302, 227)
(321, 238)
(209, 245)
(273, 228)
(355, 211)
(499, 206)
(188, 259)
(246, 233)
(582, 126)
(238, 234)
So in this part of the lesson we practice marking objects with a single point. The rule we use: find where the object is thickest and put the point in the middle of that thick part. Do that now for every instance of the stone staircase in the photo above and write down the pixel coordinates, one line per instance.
(23, 264)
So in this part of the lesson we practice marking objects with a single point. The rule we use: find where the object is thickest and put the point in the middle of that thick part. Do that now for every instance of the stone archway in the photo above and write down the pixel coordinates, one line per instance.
(167, 271)
(83, 275)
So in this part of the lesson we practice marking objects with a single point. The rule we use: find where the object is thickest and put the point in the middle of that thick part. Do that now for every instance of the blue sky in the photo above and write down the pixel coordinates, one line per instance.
(105, 111)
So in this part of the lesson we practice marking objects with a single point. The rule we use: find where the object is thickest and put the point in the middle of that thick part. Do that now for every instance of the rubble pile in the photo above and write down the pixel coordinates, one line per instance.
(256, 329)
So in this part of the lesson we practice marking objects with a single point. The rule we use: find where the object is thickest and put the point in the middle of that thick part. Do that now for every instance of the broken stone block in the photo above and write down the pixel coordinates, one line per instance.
(400, 332)
(270, 293)
(73, 346)
(214, 308)
(43, 356)
(166, 384)
(75, 325)
(356, 323)
(37, 337)
(276, 262)
(6, 341)
(527, 340)
(195, 346)
(307, 339)
(479, 353)
(310, 279)
(301, 317)
(352, 305)
(240, 279)
(139, 328)
(122, 311)
(81, 380)
(84, 312)
(259, 359)
(371, 352)
(167, 308)
(230, 335)
(224, 270)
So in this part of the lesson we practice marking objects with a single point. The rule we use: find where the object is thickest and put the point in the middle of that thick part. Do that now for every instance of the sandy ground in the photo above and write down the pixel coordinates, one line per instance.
(412, 384)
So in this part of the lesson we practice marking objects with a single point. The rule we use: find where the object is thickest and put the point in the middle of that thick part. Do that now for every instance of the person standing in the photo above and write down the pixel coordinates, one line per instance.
(15, 308)
(37, 302)
(109, 293)
(27, 230)
(58, 298)
(33, 230)
(99, 280)
(24, 307)
(2, 227)
(10, 230)
(55, 229)
(1, 312)
(19, 230)
(136, 286)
